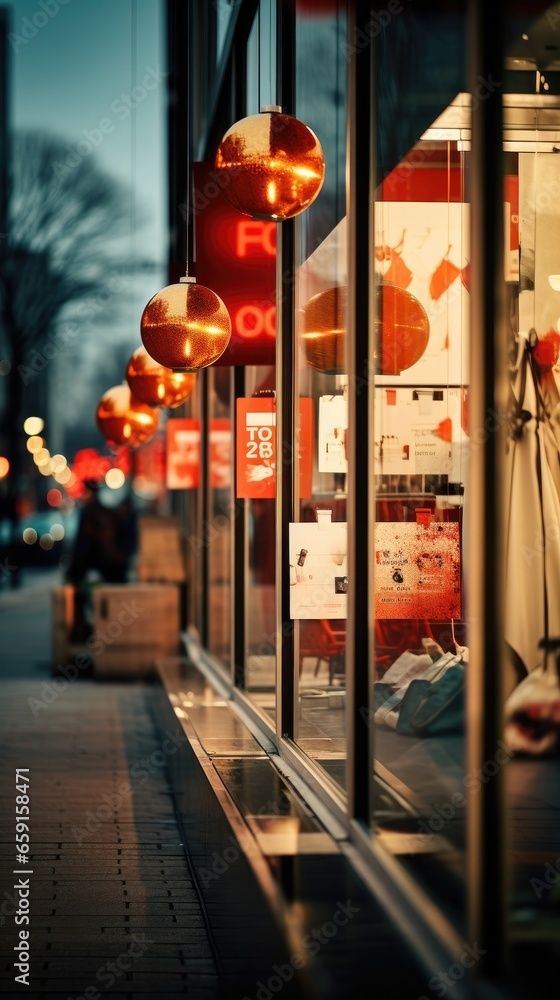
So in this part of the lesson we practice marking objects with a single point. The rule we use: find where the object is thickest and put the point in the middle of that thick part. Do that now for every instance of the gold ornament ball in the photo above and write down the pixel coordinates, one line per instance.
(271, 166)
(156, 385)
(124, 420)
(185, 327)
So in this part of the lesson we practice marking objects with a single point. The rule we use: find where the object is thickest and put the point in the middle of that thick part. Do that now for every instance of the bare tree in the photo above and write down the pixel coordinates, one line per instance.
(65, 236)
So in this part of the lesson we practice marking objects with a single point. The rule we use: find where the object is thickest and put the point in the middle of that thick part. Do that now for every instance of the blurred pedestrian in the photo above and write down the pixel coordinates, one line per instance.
(105, 542)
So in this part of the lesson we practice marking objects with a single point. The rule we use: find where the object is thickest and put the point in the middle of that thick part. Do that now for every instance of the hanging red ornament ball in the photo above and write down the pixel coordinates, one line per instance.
(124, 420)
(324, 331)
(185, 327)
(156, 385)
(271, 166)
(402, 329)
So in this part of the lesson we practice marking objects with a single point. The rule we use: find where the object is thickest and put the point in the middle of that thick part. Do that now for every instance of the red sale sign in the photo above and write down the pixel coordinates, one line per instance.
(256, 448)
(183, 453)
(236, 258)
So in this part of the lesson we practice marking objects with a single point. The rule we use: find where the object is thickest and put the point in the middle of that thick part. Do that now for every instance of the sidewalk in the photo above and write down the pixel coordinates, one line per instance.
(113, 909)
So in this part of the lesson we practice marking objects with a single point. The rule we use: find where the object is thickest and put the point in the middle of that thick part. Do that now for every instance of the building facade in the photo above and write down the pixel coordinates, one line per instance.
(376, 499)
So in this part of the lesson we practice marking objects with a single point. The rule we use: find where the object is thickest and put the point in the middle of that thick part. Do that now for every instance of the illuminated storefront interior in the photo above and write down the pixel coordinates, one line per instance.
(362, 512)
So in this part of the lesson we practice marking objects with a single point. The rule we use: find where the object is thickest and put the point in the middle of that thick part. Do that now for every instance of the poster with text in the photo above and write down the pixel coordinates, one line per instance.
(425, 251)
(417, 570)
(318, 569)
(220, 455)
(418, 431)
(183, 453)
(256, 447)
(333, 427)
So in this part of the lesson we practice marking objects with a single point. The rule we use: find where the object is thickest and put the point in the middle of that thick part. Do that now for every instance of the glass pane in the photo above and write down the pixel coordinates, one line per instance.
(532, 615)
(421, 464)
(219, 529)
(224, 12)
(318, 537)
(260, 670)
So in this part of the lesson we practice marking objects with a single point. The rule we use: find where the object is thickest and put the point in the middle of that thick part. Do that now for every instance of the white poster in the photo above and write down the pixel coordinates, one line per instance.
(318, 568)
(333, 426)
(425, 250)
(417, 431)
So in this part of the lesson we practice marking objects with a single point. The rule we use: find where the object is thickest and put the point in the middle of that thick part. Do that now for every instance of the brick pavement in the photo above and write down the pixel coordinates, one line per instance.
(110, 880)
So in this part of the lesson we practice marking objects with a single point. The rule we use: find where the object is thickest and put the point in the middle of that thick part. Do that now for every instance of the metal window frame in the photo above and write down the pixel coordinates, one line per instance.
(285, 395)
(486, 852)
(486, 843)
(360, 502)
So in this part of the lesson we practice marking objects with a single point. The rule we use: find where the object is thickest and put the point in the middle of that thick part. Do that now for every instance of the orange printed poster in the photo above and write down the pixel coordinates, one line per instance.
(256, 448)
(220, 457)
(183, 453)
(417, 570)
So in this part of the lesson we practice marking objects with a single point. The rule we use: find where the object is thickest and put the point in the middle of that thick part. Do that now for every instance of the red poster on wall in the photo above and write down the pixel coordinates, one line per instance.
(256, 448)
(220, 457)
(417, 570)
(183, 453)
(236, 258)
(149, 460)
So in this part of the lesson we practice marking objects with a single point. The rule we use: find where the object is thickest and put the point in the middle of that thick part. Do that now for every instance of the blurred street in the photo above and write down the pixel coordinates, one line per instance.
(112, 903)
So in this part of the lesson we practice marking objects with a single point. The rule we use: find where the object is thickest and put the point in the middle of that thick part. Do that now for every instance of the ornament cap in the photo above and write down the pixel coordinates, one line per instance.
(187, 279)
(270, 107)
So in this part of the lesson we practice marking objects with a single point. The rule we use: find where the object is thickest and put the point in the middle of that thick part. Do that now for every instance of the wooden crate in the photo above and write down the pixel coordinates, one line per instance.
(64, 651)
(62, 622)
(134, 624)
(160, 555)
(131, 661)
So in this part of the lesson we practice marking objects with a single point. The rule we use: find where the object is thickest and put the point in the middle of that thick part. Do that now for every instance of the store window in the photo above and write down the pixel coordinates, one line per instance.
(256, 433)
(532, 548)
(421, 453)
(220, 515)
(318, 537)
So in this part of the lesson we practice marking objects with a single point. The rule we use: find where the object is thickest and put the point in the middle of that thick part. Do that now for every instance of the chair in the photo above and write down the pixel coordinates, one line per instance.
(324, 639)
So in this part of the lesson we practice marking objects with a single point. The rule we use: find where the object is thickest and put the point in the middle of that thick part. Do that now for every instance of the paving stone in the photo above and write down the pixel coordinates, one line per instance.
(106, 851)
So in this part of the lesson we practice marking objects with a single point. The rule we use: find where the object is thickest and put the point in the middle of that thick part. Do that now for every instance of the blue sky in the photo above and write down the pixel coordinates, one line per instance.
(79, 63)
(73, 66)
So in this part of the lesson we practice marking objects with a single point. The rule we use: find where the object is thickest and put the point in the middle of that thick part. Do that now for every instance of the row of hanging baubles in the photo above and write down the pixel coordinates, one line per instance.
(272, 168)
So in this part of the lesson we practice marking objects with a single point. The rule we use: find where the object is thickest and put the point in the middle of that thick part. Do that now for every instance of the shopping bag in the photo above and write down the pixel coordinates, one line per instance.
(431, 707)
(532, 723)
(388, 705)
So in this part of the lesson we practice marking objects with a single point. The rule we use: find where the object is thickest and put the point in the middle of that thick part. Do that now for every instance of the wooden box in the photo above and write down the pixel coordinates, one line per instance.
(134, 623)
(160, 556)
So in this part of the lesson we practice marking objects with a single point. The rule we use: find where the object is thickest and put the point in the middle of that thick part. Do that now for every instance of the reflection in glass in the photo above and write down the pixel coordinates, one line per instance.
(219, 535)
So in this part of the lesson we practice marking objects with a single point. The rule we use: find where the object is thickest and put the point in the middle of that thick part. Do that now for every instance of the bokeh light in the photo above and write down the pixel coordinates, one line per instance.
(4, 466)
(42, 456)
(114, 479)
(54, 498)
(33, 425)
(58, 463)
(34, 444)
(56, 531)
(64, 476)
(29, 536)
(46, 541)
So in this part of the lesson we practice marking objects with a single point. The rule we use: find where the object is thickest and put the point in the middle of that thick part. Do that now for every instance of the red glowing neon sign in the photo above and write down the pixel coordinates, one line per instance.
(236, 258)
